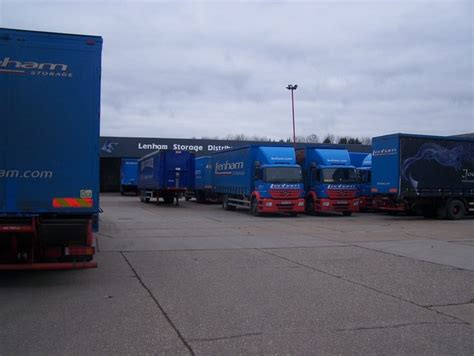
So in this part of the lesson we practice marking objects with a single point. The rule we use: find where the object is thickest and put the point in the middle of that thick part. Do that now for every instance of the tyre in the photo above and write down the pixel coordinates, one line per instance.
(254, 207)
(309, 206)
(347, 213)
(292, 214)
(455, 209)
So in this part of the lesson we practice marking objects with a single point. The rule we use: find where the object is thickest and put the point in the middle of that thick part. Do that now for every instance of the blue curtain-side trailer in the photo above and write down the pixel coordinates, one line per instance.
(128, 175)
(49, 149)
(427, 175)
(165, 174)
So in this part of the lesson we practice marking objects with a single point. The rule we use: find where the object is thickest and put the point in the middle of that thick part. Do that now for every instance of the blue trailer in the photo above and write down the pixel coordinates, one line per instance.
(128, 175)
(165, 174)
(203, 191)
(363, 165)
(49, 149)
(329, 180)
(431, 175)
(260, 178)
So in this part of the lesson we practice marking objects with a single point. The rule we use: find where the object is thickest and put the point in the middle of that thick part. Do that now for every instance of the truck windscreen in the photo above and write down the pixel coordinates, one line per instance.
(339, 175)
(283, 175)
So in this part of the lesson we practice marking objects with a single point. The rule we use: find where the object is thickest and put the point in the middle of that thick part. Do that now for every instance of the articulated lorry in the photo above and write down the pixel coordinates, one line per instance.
(260, 178)
(203, 191)
(165, 174)
(430, 175)
(128, 175)
(329, 180)
(49, 149)
(363, 165)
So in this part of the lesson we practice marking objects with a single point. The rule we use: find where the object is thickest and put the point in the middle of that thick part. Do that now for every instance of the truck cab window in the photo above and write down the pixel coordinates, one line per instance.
(283, 175)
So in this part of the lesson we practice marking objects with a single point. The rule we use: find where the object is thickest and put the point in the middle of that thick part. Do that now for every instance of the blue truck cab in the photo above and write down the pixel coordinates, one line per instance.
(329, 180)
(165, 174)
(128, 175)
(363, 164)
(49, 149)
(261, 178)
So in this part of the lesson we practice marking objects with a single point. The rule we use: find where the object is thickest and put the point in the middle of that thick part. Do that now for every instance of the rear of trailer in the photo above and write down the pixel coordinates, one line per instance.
(431, 175)
(49, 149)
(165, 174)
(203, 177)
(128, 175)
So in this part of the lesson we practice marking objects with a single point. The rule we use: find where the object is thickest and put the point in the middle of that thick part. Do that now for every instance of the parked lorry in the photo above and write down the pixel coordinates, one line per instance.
(128, 175)
(260, 178)
(431, 175)
(49, 149)
(363, 165)
(329, 180)
(165, 174)
(203, 191)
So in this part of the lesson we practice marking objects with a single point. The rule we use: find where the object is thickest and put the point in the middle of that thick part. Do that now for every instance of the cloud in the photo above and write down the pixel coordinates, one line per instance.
(191, 69)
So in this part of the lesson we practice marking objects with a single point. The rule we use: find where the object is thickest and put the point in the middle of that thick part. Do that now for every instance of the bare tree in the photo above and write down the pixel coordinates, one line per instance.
(329, 139)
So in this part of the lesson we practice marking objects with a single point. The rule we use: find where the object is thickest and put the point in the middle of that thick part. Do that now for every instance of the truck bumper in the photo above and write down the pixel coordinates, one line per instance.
(337, 205)
(47, 266)
(281, 206)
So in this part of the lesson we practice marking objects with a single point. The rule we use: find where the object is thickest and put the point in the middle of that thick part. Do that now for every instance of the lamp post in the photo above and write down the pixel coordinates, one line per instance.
(293, 87)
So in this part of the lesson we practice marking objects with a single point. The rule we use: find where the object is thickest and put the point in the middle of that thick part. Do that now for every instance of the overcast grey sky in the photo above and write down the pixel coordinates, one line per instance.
(192, 69)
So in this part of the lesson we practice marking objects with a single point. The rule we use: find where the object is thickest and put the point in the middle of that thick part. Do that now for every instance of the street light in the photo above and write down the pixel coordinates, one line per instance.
(293, 87)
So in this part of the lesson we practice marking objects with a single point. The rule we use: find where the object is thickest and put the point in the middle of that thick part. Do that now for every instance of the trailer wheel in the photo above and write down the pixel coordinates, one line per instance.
(455, 209)
(347, 213)
(254, 207)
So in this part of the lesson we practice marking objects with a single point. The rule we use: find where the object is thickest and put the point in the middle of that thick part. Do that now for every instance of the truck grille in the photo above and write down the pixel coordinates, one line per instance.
(342, 193)
(284, 194)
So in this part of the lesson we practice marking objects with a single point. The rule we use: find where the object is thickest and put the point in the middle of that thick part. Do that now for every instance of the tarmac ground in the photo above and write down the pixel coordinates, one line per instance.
(196, 279)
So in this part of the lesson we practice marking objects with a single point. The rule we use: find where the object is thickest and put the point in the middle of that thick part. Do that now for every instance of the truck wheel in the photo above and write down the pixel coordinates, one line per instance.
(254, 207)
(455, 209)
(309, 206)
(347, 213)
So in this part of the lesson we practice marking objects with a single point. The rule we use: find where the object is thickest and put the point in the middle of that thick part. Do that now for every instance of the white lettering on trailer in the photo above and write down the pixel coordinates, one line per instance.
(384, 152)
(28, 174)
(8, 65)
(467, 176)
(228, 166)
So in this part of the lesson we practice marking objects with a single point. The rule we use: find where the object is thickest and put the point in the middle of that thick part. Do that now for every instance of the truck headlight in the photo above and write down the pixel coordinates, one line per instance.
(326, 203)
(356, 202)
(269, 203)
(301, 203)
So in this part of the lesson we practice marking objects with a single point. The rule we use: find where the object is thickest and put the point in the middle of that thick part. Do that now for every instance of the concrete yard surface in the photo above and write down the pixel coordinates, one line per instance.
(196, 279)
